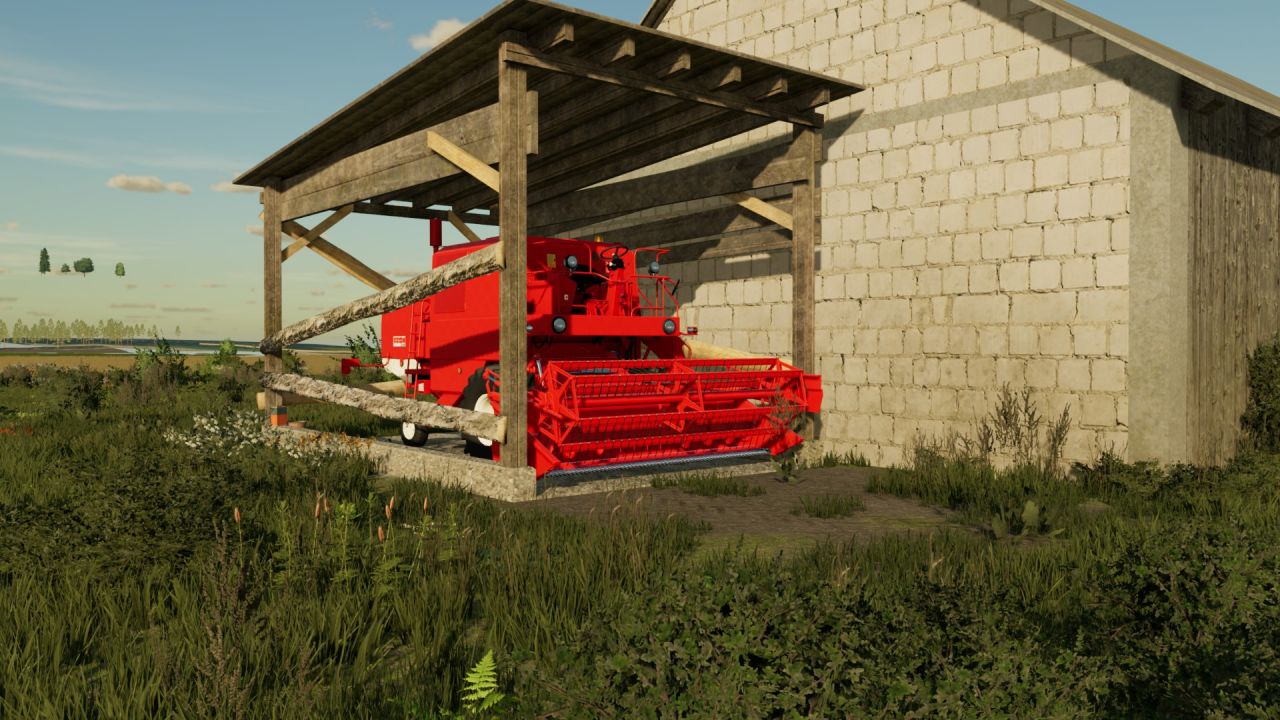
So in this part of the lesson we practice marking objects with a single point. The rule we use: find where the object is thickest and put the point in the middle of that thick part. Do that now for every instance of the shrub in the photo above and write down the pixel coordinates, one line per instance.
(1261, 418)
(16, 375)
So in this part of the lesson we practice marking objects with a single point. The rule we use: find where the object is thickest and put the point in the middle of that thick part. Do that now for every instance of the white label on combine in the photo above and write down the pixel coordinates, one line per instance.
(399, 341)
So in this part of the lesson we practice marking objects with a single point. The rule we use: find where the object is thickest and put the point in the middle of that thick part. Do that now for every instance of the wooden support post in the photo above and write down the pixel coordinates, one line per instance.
(272, 272)
(514, 113)
(804, 237)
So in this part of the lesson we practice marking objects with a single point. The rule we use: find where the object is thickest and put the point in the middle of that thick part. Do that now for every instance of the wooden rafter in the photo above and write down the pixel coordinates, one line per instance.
(472, 265)
(684, 228)
(315, 232)
(335, 255)
(555, 36)
(512, 52)
(464, 160)
(422, 213)
(712, 178)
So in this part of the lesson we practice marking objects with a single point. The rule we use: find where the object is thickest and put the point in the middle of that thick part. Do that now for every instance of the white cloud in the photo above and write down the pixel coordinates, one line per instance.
(226, 186)
(147, 183)
(12, 227)
(253, 229)
(379, 23)
(57, 87)
(441, 31)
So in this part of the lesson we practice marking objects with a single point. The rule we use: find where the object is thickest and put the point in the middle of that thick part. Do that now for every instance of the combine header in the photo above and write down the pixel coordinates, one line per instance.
(611, 379)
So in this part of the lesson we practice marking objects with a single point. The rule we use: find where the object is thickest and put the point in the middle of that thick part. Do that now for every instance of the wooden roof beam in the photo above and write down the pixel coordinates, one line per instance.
(513, 52)
(683, 228)
(712, 178)
(557, 36)
(420, 213)
(464, 160)
(723, 78)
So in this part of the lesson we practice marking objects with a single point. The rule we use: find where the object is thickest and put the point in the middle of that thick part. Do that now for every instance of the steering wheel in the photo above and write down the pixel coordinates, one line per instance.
(615, 256)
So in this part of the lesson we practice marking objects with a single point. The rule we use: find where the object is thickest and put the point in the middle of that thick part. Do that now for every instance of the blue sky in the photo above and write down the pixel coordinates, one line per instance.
(193, 93)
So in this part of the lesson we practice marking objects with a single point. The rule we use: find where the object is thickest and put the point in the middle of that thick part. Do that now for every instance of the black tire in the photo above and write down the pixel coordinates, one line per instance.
(416, 438)
(470, 394)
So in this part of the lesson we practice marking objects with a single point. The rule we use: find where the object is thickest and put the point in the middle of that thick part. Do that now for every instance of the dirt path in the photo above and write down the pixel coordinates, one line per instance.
(769, 522)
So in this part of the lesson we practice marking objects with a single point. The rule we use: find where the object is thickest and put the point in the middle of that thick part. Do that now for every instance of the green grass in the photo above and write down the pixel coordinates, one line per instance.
(128, 588)
(845, 459)
(709, 485)
(830, 506)
(339, 419)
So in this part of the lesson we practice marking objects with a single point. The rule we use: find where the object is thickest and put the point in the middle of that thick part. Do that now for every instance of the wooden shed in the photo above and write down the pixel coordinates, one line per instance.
(516, 121)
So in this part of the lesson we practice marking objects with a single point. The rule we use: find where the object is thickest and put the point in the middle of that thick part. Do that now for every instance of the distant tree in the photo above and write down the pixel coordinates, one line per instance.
(119, 269)
(44, 261)
(177, 331)
(84, 266)
(4, 331)
(65, 268)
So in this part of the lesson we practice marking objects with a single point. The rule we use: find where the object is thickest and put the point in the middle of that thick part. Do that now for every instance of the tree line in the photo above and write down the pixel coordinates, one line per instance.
(84, 265)
(78, 331)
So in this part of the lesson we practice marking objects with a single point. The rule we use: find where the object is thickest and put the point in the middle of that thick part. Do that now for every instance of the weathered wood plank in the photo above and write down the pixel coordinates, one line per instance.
(670, 88)
(694, 226)
(338, 257)
(472, 265)
(514, 113)
(272, 276)
(724, 176)
(556, 36)
(765, 240)
(400, 409)
(464, 160)
(301, 241)
(804, 236)
(402, 163)
(422, 213)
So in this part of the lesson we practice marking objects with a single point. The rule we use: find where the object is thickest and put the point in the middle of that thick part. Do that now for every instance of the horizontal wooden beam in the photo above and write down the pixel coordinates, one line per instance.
(512, 52)
(754, 243)
(422, 213)
(634, 157)
(402, 163)
(472, 265)
(681, 228)
(418, 412)
(315, 232)
(764, 168)
(464, 160)
(337, 256)
(764, 209)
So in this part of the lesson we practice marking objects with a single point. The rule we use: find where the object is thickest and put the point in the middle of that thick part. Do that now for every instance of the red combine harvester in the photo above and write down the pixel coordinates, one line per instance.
(610, 377)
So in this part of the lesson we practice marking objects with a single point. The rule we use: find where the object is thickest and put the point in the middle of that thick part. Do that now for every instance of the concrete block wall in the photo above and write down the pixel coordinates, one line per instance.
(976, 217)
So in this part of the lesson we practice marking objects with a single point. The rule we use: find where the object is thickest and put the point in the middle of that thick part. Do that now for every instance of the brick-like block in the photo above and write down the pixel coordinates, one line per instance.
(1109, 375)
(1044, 308)
(1104, 306)
(980, 310)
(1045, 275)
(1099, 411)
(1073, 374)
(1043, 373)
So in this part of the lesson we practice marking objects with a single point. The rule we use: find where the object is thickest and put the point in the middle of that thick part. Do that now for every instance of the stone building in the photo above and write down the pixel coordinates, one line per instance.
(1027, 195)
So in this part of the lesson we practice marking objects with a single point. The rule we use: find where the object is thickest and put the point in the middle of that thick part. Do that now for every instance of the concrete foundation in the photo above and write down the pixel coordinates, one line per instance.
(443, 460)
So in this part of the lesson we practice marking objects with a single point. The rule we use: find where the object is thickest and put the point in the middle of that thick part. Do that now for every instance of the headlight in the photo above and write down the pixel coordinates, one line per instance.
(528, 327)
(654, 267)
(669, 327)
(559, 325)
(571, 262)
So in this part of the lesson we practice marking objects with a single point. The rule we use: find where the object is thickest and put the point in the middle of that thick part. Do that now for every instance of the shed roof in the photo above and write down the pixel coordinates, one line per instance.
(425, 92)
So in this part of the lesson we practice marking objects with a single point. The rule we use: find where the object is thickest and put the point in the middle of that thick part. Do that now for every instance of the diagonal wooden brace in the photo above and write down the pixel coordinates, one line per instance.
(317, 231)
(769, 212)
(464, 160)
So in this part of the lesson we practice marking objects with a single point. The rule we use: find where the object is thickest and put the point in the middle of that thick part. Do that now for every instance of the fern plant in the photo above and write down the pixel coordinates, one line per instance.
(480, 694)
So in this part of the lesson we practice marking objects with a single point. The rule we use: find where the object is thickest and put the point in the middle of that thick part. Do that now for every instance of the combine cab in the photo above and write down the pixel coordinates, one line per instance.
(610, 378)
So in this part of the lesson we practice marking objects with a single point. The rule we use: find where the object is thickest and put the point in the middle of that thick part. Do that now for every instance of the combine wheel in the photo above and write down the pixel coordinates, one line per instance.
(412, 435)
(475, 396)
